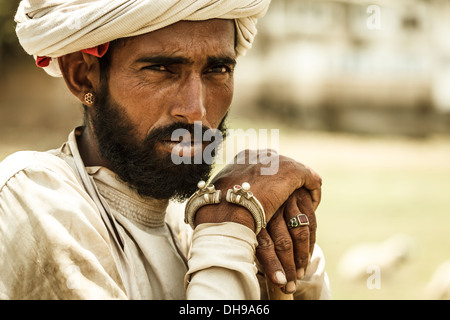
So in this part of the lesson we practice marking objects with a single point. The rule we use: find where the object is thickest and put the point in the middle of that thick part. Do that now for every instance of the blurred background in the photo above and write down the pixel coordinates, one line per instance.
(360, 91)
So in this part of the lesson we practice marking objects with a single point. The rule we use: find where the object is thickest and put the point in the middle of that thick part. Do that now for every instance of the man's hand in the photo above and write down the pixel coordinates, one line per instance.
(294, 189)
(271, 190)
(284, 253)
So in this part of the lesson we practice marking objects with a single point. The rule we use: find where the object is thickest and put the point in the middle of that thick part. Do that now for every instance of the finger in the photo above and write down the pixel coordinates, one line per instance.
(305, 204)
(312, 181)
(283, 244)
(300, 236)
(316, 191)
(267, 257)
(316, 197)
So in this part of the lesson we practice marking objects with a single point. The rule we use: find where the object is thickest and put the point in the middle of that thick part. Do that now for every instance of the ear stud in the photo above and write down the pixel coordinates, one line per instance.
(89, 98)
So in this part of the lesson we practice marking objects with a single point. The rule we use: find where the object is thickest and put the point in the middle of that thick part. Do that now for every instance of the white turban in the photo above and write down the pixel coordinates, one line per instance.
(53, 28)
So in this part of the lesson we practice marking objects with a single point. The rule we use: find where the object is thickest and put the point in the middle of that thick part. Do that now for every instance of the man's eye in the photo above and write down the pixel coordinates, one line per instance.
(219, 69)
(157, 67)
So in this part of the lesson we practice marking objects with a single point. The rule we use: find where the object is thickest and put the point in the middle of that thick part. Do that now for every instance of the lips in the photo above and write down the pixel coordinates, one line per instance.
(183, 147)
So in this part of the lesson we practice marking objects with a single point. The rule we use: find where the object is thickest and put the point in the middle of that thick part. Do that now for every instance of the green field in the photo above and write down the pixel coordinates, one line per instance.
(374, 187)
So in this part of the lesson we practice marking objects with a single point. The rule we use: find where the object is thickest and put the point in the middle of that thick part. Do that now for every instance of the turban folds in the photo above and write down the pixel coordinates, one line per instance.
(53, 28)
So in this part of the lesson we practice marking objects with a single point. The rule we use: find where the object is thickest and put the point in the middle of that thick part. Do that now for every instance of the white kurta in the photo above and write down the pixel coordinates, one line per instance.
(74, 232)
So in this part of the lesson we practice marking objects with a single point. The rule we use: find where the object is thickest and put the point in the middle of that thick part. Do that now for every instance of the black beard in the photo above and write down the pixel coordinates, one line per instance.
(139, 164)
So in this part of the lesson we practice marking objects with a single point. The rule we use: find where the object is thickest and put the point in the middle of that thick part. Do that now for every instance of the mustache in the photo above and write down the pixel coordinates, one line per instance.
(165, 132)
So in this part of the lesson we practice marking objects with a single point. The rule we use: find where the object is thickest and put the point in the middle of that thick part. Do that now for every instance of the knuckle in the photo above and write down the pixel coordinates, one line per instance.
(320, 180)
(264, 243)
(283, 244)
(302, 235)
(316, 176)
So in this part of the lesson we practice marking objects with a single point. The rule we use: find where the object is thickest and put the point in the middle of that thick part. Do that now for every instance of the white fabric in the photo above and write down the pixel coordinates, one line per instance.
(54, 28)
(227, 251)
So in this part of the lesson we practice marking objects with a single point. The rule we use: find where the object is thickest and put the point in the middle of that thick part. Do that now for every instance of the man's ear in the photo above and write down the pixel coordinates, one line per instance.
(81, 72)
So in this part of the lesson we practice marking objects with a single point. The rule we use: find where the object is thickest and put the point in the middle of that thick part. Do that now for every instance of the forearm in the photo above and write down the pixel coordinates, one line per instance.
(225, 212)
(221, 263)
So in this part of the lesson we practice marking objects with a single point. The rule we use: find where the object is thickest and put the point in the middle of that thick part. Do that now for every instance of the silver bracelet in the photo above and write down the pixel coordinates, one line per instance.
(242, 196)
(205, 195)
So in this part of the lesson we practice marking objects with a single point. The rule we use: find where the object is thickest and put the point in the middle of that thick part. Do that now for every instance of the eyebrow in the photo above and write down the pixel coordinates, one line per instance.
(165, 60)
(171, 60)
(221, 60)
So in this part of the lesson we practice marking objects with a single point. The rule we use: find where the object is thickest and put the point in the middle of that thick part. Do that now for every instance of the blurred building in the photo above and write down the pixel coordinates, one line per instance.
(337, 65)
(366, 67)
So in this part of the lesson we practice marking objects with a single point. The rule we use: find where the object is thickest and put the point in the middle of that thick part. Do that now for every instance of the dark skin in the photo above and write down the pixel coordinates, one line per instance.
(184, 72)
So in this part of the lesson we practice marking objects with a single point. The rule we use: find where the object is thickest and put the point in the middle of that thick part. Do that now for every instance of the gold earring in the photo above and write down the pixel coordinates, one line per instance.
(89, 98)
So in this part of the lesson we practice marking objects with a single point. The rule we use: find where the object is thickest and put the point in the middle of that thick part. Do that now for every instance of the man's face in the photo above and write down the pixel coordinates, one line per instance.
(159, 82)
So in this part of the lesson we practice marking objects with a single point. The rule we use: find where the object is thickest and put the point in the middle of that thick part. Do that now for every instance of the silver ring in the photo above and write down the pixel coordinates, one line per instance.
(298, 221)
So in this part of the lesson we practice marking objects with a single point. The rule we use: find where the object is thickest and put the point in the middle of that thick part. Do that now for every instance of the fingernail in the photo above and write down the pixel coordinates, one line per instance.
(300, 273)
(291, 287)
(281, 278)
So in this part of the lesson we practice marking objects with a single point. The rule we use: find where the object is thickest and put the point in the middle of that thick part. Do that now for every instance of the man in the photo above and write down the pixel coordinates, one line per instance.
(88, 220)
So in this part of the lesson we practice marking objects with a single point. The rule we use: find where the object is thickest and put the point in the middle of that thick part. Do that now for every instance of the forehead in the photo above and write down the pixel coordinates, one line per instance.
(191, 39)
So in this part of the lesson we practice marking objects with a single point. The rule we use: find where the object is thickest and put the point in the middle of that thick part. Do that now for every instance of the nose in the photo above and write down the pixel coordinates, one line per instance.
(189, 105)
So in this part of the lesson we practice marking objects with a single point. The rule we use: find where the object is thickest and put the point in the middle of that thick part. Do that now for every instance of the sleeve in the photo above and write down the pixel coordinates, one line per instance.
(53, 244)
(221, 263)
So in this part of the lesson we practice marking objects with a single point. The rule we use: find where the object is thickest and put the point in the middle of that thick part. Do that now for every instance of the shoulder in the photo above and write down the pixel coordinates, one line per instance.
(39, 188)
(34, 165)
(51, 231)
